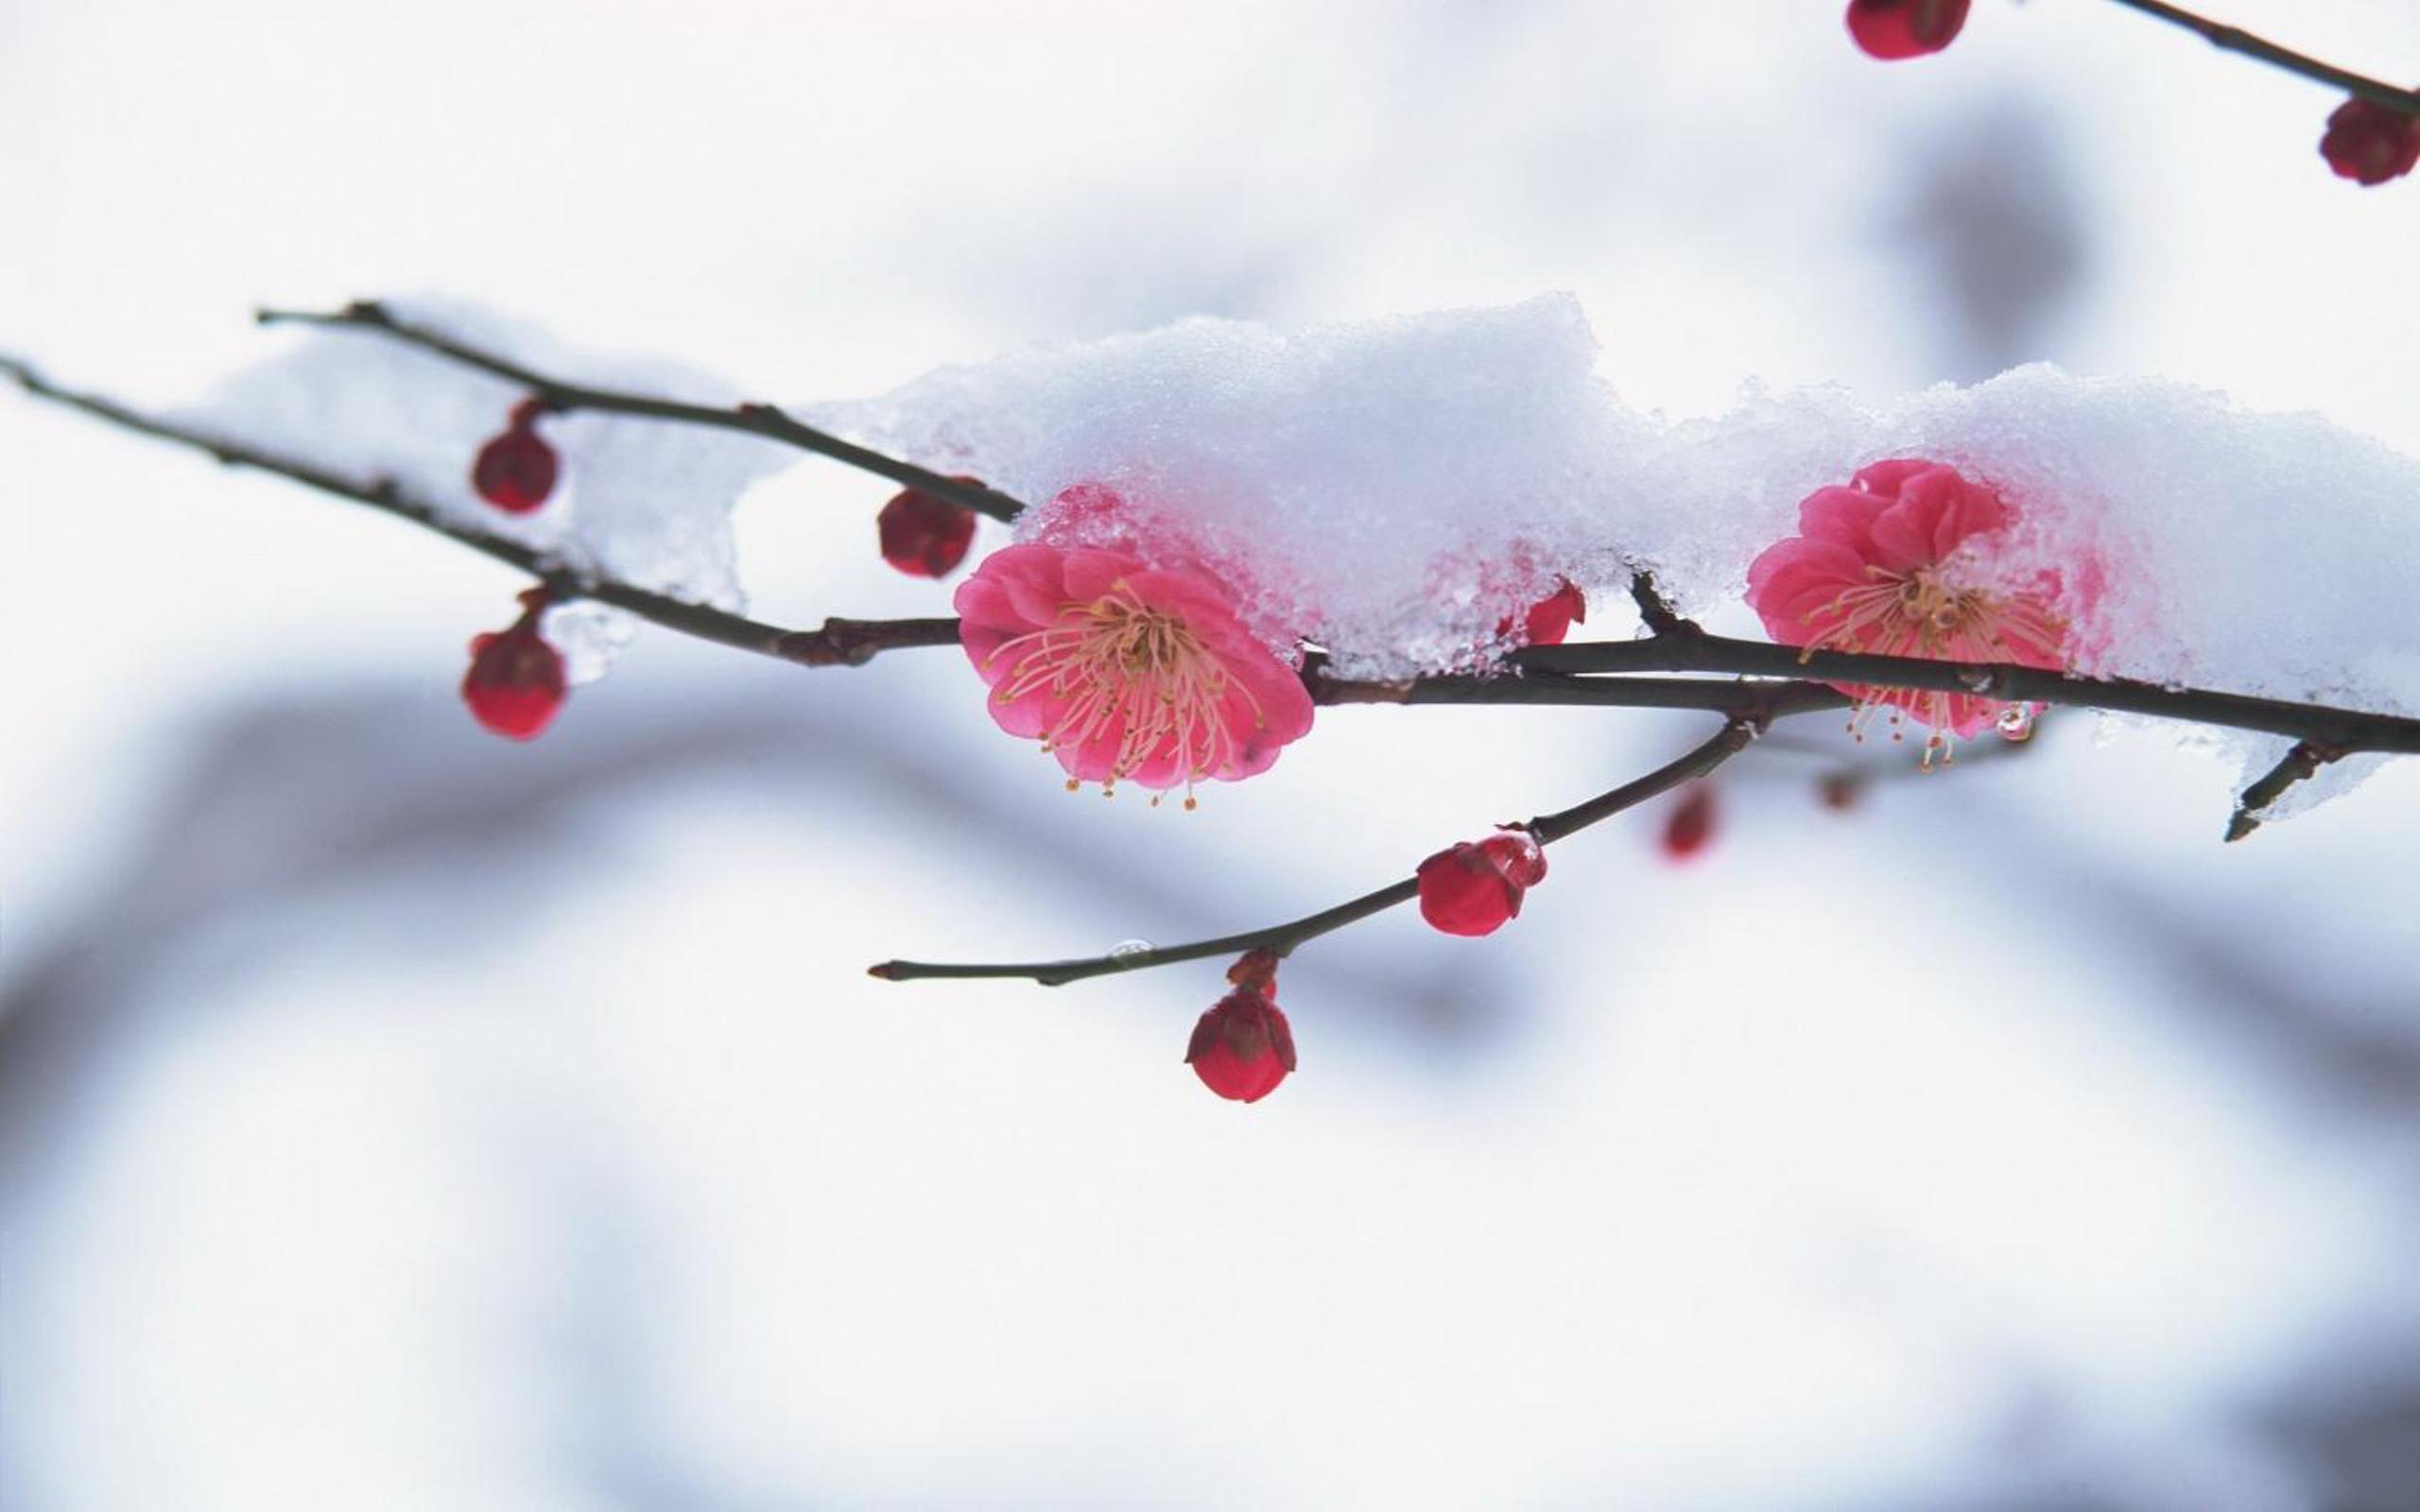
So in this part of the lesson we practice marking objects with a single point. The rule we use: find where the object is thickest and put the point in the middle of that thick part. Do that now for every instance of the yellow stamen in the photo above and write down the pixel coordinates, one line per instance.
(1132, 674)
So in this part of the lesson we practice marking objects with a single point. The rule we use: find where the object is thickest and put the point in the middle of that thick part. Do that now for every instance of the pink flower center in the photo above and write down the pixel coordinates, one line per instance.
(1128, 672)
(1920, 612)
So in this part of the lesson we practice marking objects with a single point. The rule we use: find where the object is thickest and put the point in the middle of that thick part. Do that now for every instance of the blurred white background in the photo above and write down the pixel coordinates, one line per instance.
(389, 1118)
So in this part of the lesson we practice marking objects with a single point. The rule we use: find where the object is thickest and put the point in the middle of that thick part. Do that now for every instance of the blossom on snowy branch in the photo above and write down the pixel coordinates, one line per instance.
(1241, 525)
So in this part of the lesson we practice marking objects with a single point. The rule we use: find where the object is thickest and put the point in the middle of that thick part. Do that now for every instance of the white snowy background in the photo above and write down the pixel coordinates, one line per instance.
(392, 1118)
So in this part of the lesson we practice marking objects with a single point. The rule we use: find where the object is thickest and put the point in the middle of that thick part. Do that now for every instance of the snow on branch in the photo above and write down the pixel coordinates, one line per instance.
(1238, 527)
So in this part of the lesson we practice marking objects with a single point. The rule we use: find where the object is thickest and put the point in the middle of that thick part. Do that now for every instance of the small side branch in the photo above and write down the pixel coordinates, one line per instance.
(2301, 763)
(763, 420)
(1282, 938)
(1657, 610)
(2235, 40)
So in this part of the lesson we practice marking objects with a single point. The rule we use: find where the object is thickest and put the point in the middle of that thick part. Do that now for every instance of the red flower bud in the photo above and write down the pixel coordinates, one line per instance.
(516, 471)
(924, 537)
(1552, 618)
(1892, 29)
(1473, 889)
(1244, 1048)
(1690, 824)
(515, 684)
(2370, 142)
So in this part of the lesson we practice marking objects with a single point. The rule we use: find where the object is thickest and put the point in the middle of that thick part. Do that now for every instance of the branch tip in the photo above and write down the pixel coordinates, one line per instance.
(2299, 765)
(2249, 45)
(1282, 939)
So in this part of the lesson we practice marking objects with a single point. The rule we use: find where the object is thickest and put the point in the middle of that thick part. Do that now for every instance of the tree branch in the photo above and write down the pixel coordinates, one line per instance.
(1688, 648)
(2237, 40)
(1283, 938)
(754, 420)
(839, 643)
(2342, 729)
(852, 643)
(1760, 702)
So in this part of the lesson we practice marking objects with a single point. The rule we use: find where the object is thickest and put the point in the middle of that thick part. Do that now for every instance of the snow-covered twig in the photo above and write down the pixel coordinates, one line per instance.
(1280, 939)
(1676, 646)
(839, 643)
(753, 419)
(2237, 40)
(853, 642)
(1682, 647)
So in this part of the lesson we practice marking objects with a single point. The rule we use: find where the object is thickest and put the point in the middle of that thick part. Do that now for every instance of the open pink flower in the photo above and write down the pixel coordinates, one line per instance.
(1125, 672)
(1893, 564)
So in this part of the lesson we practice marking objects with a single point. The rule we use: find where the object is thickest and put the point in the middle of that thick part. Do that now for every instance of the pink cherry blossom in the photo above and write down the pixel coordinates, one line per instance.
(1126, 672)
(1897, 563)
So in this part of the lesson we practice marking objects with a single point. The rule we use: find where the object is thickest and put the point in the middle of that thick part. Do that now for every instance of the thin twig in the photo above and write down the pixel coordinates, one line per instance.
(839, 643)
(2237, 40)
(754, 420)
(1283, 938)
(2344, 729)
(2301, 763)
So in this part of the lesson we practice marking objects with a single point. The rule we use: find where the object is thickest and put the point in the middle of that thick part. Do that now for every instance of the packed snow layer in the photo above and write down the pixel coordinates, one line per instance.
(1396, 490)
(645, 501)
